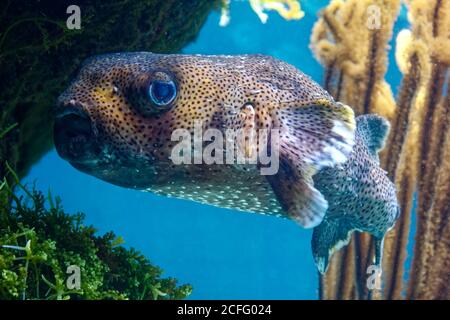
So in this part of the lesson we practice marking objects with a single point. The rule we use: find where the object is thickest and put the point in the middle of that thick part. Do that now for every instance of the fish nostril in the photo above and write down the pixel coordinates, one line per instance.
(69, 107)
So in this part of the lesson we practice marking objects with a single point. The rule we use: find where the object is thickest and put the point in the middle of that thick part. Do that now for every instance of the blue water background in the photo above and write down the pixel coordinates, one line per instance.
(223, 253)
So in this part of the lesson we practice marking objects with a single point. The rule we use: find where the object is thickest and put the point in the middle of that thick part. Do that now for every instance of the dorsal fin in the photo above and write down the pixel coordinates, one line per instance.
(374, 130)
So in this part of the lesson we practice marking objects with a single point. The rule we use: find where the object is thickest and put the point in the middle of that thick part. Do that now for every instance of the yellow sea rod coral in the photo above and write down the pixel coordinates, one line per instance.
(350, 39)
(430, 21)
(401, 159)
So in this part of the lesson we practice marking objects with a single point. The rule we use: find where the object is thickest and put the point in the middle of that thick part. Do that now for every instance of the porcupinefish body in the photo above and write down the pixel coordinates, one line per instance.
(360, 195)
(116, 120)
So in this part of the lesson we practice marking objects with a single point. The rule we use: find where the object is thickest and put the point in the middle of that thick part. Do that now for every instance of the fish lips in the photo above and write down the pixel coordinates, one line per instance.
(75, 137)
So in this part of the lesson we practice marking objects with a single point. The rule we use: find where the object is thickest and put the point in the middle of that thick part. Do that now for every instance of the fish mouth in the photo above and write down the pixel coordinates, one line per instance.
(81, 142)
(74, 135)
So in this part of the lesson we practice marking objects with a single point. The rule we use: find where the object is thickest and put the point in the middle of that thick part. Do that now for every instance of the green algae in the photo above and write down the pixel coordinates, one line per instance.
(39, 241)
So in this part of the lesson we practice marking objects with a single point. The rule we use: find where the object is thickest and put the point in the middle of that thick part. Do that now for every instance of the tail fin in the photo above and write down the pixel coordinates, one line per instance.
(328, 237)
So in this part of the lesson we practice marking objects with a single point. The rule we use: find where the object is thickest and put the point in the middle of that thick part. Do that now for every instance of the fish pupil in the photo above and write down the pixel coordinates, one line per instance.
(162, 92)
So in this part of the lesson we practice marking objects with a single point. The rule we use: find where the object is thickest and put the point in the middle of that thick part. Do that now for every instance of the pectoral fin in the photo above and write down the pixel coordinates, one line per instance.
(311, 137)
(297, 195)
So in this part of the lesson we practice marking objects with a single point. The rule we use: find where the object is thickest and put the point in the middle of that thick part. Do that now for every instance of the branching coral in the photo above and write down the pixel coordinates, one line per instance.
(416, 156)
(430, 24)
(349, 40)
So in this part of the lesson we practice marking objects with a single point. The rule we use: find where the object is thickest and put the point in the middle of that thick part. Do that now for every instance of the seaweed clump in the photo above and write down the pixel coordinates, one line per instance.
(418, 148)
(39, 241)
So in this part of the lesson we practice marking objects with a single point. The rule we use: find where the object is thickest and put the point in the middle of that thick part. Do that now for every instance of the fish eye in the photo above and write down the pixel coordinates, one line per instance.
(162, 92)
(153, 93)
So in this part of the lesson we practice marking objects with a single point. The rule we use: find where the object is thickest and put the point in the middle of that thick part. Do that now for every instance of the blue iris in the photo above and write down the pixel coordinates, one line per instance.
(162, 93)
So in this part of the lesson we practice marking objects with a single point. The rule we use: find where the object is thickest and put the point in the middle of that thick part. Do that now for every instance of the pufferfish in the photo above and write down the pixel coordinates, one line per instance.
(360, 195)
(116, 118)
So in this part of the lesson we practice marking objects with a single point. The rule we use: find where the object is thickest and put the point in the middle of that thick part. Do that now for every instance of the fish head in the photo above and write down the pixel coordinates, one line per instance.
(116, 119)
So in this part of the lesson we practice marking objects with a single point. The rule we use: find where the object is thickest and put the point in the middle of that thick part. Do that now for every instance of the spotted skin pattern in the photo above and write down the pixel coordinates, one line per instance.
(361, 196)
(132, 145)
